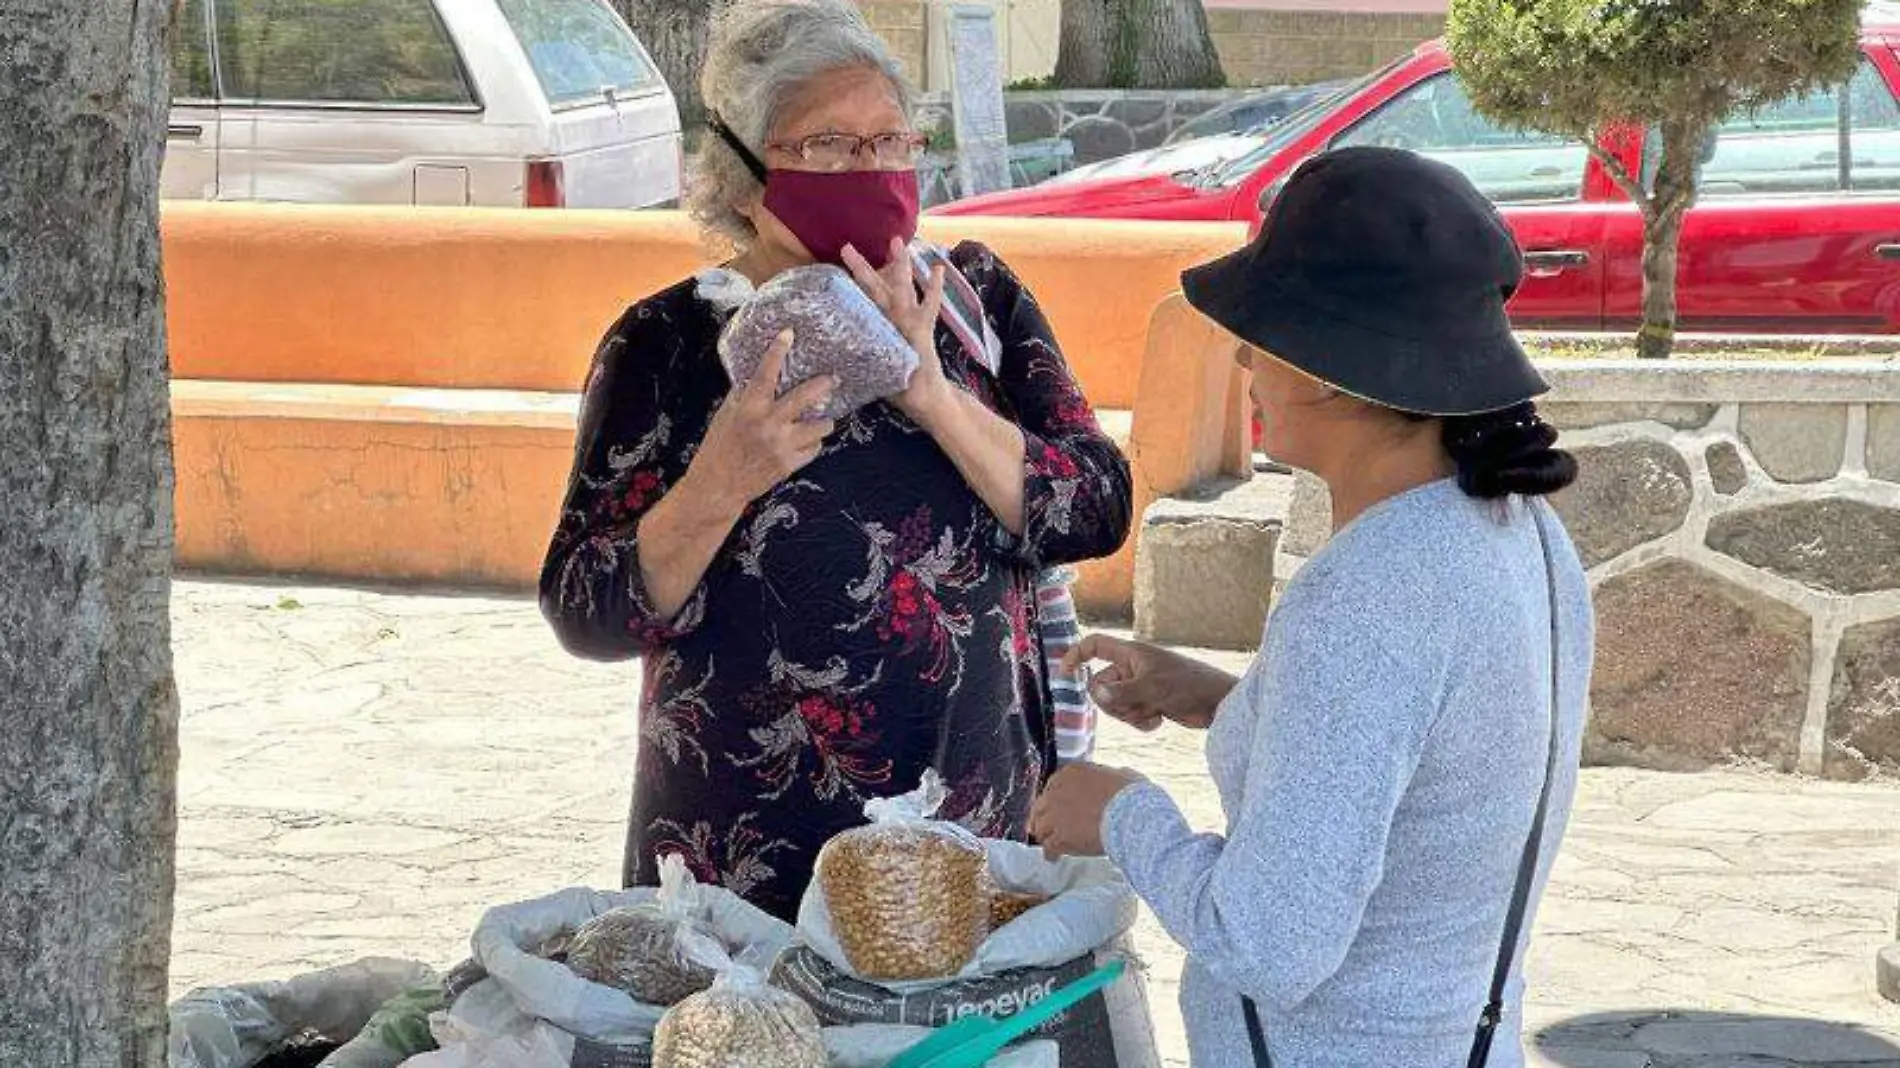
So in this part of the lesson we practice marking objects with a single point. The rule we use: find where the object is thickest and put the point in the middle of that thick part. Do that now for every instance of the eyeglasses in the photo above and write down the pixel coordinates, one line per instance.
(841, 152)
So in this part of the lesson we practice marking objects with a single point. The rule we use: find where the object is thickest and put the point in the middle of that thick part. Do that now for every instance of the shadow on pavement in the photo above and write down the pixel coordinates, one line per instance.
(1671, 1038)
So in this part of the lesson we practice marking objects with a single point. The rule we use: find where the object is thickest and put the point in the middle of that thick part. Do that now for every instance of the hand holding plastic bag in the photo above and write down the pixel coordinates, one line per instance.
(837, 330)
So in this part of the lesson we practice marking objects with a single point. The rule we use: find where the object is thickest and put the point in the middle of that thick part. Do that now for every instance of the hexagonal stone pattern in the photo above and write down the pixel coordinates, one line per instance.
(1584, 415)
(1863, 717)
(1834, 545)
(1693, 670)
(1883, 441)
(1796, 442)
(1626, 494)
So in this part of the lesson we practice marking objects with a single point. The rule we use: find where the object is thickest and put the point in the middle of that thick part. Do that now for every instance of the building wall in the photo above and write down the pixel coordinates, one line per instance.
(1278, 46)
(1261, 42)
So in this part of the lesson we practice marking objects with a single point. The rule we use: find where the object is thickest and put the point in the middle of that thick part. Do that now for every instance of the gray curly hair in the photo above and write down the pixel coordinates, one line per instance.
(762, 52)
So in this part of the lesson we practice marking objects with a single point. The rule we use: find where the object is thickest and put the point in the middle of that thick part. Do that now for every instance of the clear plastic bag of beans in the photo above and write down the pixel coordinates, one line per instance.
(657, 952)
(836, 330)
(907, 897)
(740, 1023)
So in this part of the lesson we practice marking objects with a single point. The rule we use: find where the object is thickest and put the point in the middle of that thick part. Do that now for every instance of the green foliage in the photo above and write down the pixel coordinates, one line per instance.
(1033, 85)
(1577, 66)
(1580, 68)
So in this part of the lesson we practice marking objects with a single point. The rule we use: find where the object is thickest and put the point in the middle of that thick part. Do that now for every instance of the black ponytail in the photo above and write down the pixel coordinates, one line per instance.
(1509, 452)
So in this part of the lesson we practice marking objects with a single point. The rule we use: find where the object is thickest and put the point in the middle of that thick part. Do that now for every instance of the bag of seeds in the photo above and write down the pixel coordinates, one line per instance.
(836, 330)
(657, 951)
(523, 989)
(905, 898)
(1064, 919)
(739, 1023)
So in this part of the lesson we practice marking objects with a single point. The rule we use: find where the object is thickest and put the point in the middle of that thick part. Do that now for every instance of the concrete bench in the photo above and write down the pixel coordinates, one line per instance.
(387, 395)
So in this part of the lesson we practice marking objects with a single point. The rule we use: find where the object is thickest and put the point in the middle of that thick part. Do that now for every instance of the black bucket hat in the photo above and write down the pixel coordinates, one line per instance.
(1384, 274)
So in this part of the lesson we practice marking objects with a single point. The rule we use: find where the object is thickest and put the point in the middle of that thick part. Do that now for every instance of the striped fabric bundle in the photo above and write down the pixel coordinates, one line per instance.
(1074, 712)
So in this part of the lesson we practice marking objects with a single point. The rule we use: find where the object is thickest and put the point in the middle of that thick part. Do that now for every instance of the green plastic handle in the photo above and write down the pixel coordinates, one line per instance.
(971, 1042)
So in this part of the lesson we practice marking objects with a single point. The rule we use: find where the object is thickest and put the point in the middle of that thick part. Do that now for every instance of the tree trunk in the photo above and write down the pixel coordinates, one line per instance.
(675, 32)
(88, 712)
(1082, 54)
(1162, 44)
(1669, 203)
(1137, 44)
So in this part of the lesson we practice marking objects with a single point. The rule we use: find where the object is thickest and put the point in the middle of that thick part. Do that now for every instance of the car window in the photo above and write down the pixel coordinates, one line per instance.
(579, 48)
(1274, 139)
(1796, 147)
(191, 54)
(1435, 118)
(375, 52)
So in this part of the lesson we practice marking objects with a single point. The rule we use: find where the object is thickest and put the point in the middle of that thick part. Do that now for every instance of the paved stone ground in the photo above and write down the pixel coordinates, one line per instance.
(365, 772)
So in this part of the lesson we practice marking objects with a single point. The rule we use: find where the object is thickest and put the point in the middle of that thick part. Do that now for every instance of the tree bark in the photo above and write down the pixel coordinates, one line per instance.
(1137, 44)
(1082, 52)
(1668, 204)
(88, 712)
(1163, 44)
(675, 33)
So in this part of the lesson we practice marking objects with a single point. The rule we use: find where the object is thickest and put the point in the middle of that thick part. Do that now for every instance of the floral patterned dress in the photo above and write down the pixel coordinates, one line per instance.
(867, 620)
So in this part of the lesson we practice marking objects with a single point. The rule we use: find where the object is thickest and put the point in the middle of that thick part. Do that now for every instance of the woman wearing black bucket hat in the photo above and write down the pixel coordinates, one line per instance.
(1397, 765)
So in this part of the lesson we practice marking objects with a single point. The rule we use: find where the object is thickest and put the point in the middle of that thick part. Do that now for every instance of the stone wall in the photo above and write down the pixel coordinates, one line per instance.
(1741, 524)
(1264, 47)
(1100, 124)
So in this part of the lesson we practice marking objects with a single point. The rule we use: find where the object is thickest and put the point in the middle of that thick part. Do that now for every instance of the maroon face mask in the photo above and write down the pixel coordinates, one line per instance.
(828, 210)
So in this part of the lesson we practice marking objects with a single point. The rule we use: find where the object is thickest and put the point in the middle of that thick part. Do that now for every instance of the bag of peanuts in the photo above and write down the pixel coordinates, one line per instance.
(836, 330)
(1049, 923)
(739, 1023)
(525, 982)
(905, 898)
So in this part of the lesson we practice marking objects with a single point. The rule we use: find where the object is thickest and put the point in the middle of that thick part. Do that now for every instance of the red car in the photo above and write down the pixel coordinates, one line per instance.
(1797, 229)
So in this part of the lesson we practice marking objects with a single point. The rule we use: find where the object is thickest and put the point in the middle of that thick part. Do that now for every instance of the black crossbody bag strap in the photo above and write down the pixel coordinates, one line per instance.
(1493, 1013)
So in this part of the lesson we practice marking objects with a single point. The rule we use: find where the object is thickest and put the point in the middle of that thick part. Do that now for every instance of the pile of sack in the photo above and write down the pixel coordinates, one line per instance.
(909, 925)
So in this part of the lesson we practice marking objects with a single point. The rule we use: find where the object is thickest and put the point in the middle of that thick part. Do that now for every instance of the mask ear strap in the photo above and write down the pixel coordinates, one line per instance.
(746, 155)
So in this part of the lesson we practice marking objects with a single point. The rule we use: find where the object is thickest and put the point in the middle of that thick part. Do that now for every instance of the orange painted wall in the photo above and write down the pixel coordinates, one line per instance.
(485, 298)
(386, 395)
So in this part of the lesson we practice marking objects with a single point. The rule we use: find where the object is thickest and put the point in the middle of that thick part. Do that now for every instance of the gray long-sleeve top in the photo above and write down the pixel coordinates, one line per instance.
(1378, 766)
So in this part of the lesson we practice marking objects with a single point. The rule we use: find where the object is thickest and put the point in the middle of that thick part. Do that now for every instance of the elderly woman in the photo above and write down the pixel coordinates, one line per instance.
(1397, 765)
(825, 611)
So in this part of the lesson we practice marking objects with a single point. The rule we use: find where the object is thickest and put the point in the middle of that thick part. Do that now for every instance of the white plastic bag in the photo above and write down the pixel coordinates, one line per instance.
(235, 1027)
(739, 1022)
(507, 937)
(1091, 905)
(658, 952)
(876, 1045)
(467, 1046)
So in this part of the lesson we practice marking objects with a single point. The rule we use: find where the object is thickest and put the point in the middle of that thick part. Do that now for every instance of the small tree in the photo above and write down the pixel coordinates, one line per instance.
(1581, 68)
(1137, 44)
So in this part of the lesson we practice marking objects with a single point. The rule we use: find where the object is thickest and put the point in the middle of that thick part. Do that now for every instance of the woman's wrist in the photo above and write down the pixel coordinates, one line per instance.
(934, 406)
(706, 501)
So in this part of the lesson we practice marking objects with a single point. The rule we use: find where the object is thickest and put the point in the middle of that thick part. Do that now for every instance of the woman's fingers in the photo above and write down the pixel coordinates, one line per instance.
(764, 384)
(1094, 647)
(867, 276)
(808, 397)
(933, 296)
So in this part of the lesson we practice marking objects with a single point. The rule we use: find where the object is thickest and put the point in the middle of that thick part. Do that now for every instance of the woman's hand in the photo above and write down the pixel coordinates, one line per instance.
(894, 289)
(1145, 686)
(1067, 818)
(758, 439)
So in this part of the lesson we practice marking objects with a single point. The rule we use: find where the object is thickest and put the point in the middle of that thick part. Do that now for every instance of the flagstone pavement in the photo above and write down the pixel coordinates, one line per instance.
(365, 771)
